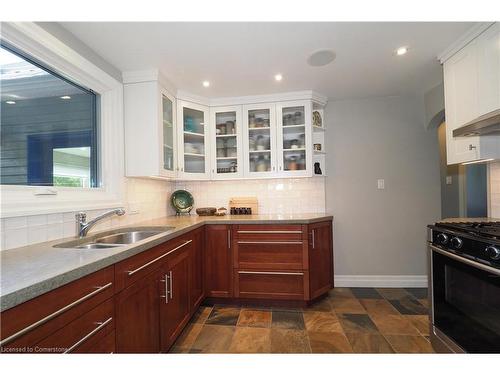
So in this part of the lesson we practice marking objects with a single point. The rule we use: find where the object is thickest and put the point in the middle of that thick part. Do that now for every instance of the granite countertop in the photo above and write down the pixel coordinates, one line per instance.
(29, 271)
(469, 220)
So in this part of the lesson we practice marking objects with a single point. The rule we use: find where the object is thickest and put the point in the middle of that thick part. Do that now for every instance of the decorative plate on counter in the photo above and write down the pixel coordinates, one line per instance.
(317, 120)
(182, 201)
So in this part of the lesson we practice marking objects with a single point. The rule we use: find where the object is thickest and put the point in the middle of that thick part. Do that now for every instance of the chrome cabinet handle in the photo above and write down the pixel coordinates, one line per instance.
(229, 238)
(270, 231)
(271, 242)
(171, 284)
(271, 273)
(471, 147)
(130, 273)
(165, 280)
(313, 239)
(100, 325)
(53, 315)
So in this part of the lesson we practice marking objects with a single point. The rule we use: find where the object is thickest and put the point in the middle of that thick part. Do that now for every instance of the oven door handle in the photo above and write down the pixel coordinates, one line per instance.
(469, 262)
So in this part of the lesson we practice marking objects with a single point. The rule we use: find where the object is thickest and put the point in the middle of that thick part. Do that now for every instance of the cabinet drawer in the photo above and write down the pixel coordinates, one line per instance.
(276, 255)
(269, 232)
(102, 346)
(292, 285)
(34, 320)
(83, 333)
(135, 268)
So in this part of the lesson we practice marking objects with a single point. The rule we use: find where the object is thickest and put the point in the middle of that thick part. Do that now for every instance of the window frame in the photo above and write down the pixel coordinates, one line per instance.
(22, 200)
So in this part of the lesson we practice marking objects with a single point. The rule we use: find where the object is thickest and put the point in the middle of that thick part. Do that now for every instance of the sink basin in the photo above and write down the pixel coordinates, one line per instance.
(126, 237)
(114, 238)
(92, 246)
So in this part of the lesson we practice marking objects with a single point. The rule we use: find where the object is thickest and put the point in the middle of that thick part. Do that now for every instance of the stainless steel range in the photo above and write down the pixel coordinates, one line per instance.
(464, 286)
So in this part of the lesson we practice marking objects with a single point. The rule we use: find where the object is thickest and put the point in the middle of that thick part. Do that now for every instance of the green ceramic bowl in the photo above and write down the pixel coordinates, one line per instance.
(182, 201)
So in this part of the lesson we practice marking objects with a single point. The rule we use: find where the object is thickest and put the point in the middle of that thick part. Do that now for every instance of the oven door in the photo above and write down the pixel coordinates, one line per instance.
(466, 301)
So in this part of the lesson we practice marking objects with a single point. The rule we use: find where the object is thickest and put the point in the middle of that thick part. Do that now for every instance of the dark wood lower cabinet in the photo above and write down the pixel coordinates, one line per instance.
(320, 258)
(137, 310)
(218, 261)
(174, 306)
(141, 304)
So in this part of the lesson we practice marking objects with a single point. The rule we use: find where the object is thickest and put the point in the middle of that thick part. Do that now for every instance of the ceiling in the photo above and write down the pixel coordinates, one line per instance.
(242, 58)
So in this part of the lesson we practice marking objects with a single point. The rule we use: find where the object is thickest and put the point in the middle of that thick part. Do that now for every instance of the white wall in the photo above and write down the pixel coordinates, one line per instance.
(494, 190)
(381, 233)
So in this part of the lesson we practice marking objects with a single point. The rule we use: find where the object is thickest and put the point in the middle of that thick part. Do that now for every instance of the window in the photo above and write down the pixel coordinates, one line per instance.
(48, 132)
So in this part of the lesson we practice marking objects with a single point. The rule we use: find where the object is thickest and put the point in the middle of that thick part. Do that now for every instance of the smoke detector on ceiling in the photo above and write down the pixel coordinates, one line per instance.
(321, 58)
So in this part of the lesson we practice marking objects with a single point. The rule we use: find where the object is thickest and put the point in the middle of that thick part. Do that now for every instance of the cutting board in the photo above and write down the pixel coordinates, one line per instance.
(251, 202)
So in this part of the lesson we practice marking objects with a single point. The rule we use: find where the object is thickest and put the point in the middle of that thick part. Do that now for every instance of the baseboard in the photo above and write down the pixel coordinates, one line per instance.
(381, 281)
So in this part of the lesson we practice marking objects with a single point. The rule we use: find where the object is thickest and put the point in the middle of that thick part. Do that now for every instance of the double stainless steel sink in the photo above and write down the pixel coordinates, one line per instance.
(115, 238)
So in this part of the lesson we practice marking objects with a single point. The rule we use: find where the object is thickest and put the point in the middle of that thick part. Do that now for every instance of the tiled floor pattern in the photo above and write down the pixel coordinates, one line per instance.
(349, 320)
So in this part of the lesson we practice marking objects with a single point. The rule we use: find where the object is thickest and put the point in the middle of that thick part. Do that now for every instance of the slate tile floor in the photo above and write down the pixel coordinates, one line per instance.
(349, 320)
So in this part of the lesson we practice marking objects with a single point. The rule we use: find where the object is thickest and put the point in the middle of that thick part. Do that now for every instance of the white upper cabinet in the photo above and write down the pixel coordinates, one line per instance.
(193, 140)
(294, 145)
(150, 130)
(226, 130)
(259, 140)
(472, 88)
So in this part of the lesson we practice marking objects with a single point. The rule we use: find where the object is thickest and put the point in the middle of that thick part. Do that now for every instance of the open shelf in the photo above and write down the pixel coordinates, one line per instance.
(227, 158)
(194, 134)
(263, 128)
(259, 151)
(225, 135)
(294, 149)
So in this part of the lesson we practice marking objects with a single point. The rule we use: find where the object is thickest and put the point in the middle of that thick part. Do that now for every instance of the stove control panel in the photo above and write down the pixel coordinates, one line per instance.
(468, 246)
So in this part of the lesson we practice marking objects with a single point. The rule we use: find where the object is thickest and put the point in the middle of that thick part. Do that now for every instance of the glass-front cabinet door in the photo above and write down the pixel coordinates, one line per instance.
(225, 134)
(294, 138)
(259, 140)
(168, 139)
(193, 141)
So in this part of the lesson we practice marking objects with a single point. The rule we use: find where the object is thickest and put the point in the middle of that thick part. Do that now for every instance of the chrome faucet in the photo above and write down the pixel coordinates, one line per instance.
(84, 227)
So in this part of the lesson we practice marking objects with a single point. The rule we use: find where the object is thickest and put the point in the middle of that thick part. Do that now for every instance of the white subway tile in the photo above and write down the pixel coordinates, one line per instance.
(16, 222)
(16, 238)
(37, 233)
(54, 231)
(37, 220)
(55, 218)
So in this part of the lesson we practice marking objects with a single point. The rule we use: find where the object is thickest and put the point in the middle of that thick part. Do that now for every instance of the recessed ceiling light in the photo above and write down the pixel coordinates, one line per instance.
(401, 51)
(321, 58)
(206, 84)
(10, 102)
(65, 97)
(278, 77)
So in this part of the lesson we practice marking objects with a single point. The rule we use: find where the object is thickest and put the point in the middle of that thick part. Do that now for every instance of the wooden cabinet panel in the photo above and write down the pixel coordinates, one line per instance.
(269, 232)
(278, 255)
(320, 258)
(53, 310)
(174, 307)
(137, 315)
(196, 272)
(292, 285)
(134, 268)
(105, 345)
(86, 331)
(218, 261)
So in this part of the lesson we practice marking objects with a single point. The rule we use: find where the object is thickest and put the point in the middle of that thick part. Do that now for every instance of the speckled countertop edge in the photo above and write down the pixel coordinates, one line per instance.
(72, 264)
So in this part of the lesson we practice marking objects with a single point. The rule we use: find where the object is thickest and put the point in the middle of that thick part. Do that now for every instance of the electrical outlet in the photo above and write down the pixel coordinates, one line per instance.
(449, 180)
(381, 184)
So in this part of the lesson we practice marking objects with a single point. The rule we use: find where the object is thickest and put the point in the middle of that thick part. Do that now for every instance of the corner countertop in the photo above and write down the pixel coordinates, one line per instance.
(29, 271)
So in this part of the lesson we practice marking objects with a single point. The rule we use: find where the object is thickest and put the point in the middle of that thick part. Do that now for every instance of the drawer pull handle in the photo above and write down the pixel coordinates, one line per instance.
(271, 242)
(271, 273)
(53, 315)
(100, 326)
(130, 273)
(271, 231)
(313, 244)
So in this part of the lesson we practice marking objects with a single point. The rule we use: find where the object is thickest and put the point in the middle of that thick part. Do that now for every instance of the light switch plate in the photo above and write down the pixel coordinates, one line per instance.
(381, 184)
(449, 180)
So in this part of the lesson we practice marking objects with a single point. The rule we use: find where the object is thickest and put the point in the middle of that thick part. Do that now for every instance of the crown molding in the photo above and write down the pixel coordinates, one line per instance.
(465, 39)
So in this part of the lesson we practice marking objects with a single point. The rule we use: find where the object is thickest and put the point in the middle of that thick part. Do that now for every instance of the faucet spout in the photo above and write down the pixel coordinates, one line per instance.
(84, 227)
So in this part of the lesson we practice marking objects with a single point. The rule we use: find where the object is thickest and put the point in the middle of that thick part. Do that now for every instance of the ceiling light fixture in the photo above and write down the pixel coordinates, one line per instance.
(278, 77)
(321, 58)
(10, 102)
(206, 84)
(65, 97)
(401, 51)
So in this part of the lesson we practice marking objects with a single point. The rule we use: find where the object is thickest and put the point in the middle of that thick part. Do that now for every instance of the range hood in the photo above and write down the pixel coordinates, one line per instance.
(485, 124)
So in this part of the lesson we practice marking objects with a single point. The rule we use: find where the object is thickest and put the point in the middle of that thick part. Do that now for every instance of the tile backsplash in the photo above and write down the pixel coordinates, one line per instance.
(283, 196)
(148, 199)
(495, 189)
